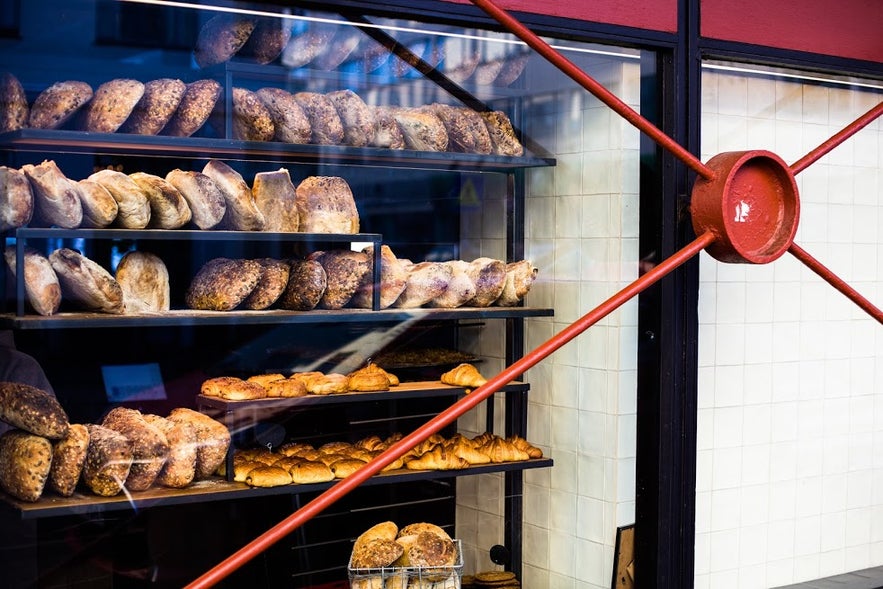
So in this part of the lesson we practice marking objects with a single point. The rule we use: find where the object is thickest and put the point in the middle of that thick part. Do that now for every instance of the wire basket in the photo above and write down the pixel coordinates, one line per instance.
(444, 577)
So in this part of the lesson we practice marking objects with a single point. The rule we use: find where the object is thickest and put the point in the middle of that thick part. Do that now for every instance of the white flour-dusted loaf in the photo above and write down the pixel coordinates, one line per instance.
(42, 288)
(325, 204)
(144, 279)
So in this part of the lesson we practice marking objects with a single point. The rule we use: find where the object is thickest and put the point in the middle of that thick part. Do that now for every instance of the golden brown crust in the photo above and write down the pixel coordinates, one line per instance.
(370, 378)
(168, 208)
(290, 122)
(194, 109)
(32, 410)
(156, 107)
(393, 279)
(375, 553)
(308, 472)
(503, 138)
(222, 284)
(111, 105)
(287, 388)
(56, 197)
(346, 271)
(463, 375)
(232, 389)
(100, 209)
(325, 204)
(134, 207)
(265, 379)
(242, 213)
(345, 467)
(144, 279)
(520, 276)
(213, 439)
(68, 458)
(419, 527)
(421, 129)
(41, 283)
(242, 468)
(108, 461)
(25, 462)
(221, 37)
(204, 199)
(180, 466)
(55, 105)
(327, 384)
(270, 286)
(13, 104)
(251, 119)
(307, 282)
(86, 283)
(150, 448)
(268, 476)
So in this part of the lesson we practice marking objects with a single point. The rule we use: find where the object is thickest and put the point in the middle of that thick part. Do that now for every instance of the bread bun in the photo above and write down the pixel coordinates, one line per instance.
(111, 105)
(156, 107)
(204, 199)
(86, 283)
(193, 111)
(58, 103)
(25, 461)
(42, 288)
(144, 279)
(326, 384)
(222, 284)
(13, 104)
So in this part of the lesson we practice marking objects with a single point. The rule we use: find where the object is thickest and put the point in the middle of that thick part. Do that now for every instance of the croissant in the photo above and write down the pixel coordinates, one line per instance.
(464, 375)
(437, 459)
(371, 443)
(501, 451)
(523, 444)
(369, 378)
(467, 452)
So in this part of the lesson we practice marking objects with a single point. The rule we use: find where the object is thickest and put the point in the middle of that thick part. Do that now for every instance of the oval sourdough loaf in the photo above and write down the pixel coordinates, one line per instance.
(276, 198)
(150, 448)
(58, 103)
(25, 460)
(156, 107)
(242, 213)
(307, 282)
(325, 204)
(68, 458)
(272, 283)
(204, 198)
(13, 104)
(111, 105)
(134, 208)
(85, 283)
(194, 109)
(32, 410)
(144, 279)
(180, 467)
(56, 198)
(222, 284)
(41, 283)
(108, 461)
(213, 440)
(168, 207)
(289, 119)
(100, 208)
(16, 199)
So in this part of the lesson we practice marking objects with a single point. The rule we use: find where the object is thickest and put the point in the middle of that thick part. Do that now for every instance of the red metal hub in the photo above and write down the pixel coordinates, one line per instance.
(750, 205)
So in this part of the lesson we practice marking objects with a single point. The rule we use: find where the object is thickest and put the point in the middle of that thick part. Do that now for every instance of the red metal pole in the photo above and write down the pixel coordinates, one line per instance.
(600, 92)
(448, 416)
(835, 281)
(837, 139)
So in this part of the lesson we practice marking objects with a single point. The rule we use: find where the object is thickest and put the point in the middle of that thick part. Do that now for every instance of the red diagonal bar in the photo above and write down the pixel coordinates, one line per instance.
(836, 139)
(600, 92)
(832, 279)
(448, 416)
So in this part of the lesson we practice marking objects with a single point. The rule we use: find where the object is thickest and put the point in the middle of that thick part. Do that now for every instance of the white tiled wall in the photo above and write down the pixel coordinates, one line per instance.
(790, 439)
(582, 233)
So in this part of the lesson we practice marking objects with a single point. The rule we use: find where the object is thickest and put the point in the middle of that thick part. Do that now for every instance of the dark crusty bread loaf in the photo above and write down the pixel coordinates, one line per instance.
(346, 271)
(194, 109)
(325, 204)
(41, 283)
(86, 283)
(16, 199)
(221, 37)
(111, 105)
(275, 197)
(25, 460)
(32, 410)
(56, 197)
(241, 213)
(156, 107)
(325, 123)
(134, 207)
(387, 132)
(180, 466)
(68, 458)
(213, 439)
(168, 207)
(290, 122)
(306, 285)
(267, 40)
(422, 130)
(13, 104)
(338, 49)
(303, 48)
(58, 103)
(222, 284)
(144, 279)
(251, 119)
(108, 461)
(150, 448)
(466, 129)
(272, 283)
(356, 116)
(204, 198)
(100, 208)
(503, 137)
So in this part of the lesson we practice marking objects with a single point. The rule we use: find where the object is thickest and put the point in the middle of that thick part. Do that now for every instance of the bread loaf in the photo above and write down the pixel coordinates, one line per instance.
(290, 122)
(13, 104)
(144, 280)
(460, 288)
(325, 124)
(213, 439)
(421, 129)
(222, 284)
(387, 132)
(221, 37)
(307, 282)
(204, 199)
(56, 198)
(68, 458)
(42, 288)
(276, 199)
(346, 271)
(489, 276)
(462, 69)
(503, 138)
(100, 208)
(32, 410)
(241, 212)
(325, 204)
(58, 103)
(251, 119)
(303, 48)
(85, 283)
(25, 460)
(393, 280)
(356, 116)
(16, 199)
(194, 109)
(108, 461)
(180, 466)
(376, 553)
(270, 286)
(344, 42)
(134, 207)
(150, 448)
(111, 105)
(520, 276)
(426, 281)
(512, 69)
(267, 40)
(460, 137)
(168, 208)
(156, 107)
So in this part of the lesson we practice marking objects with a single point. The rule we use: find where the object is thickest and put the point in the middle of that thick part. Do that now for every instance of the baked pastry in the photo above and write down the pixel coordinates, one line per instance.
(326, 384)
(232, 389)
(144, 279)
(303, 48)
(463, 375)
(25, 460)
(268, 476)
(520, 276)
(439, 458)
(13, 104)
(251, 119)
(111, 105)
(16, 199)
(85, 283)
(56, 198)
(100, 208)
(290, 122)
(325, 204)
(221, 37)
(296, 449)
(421, 129)
(503, 137)
(468, 451)
(325, 123)
(265, 379)
(426, 281)
(134, 207)
(267, 40)
(370, 378)
(204, 199)
(156, 107)
(499, 450)
(287, 388)
(393, 279)
(108, 461)
(345, 467)
(168, 207)
(309, 471)
(213, 440)
(222, 284)
(150, 448)
(68, 458)
(194, 109)
(242, 468)
(270, 286)
(522, 444)
(346, 271)
(241, 213)
(32, 410)
(460, 288)
(58, 103)
(489, 277)
(42, 288)
(180, 466)
(387, 132)
(307, 282)
(276, 199)
(356, 116)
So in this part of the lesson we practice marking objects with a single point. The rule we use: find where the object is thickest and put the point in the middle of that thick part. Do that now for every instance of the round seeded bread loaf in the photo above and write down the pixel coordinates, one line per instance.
(194, 109)
(111, 105)
(25, 460)
(289, 119)
(108, 461)
(204, 198)
(274, 279)
(55, 105)
(32, 410)
(68, 458)
(13, 104)
(150, 448)
(306, 285)
(156, 107)
(222, 284)
(251, 119)
(221, 37)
